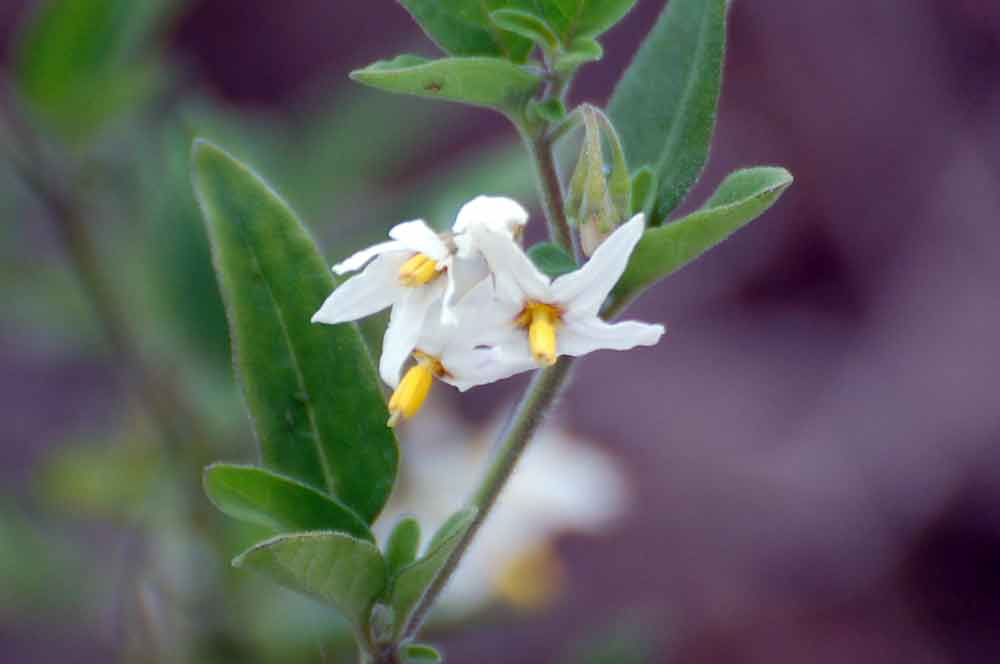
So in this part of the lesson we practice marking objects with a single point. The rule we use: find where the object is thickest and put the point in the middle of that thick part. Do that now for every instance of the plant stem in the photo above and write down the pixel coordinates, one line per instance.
(550, 189)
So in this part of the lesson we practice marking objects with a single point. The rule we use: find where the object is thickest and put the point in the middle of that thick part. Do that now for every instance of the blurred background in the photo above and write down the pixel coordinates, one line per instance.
(806, 468)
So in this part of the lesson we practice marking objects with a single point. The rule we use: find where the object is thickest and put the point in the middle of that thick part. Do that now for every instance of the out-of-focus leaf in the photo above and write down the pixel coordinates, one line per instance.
(527, 25)
(257, 495)
(741, 198)
(403, 544)
(77, 61)
(463, 27)
(551, 259)
(311, 389)
(665, 104)
(489, 82)
(409, 585)
(335, 568)
(420, 653)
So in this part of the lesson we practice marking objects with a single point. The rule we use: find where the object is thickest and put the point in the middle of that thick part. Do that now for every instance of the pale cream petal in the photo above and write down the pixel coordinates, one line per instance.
(515, 276)
(580, 337)
(495, 213)
(421, 238)
(406, 323)
(362, 295)
(357, 261)
(463, 275)
(584, 290)
(474, 366)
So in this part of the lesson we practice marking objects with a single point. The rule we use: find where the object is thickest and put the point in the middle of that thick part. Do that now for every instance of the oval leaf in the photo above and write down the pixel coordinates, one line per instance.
(551, 259)
(337, 569)
(409, 585)
(665, 104)
(741, 198)
(489, 82)
(461, 27)
(311, 389)
(260, 496)
(420, 653)
(527, 25)
(403, 544)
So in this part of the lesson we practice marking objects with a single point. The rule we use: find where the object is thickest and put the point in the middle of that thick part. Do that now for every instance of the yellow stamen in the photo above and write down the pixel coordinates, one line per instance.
(533, 579)
(541, 320)
(407, 399)
(418, 270)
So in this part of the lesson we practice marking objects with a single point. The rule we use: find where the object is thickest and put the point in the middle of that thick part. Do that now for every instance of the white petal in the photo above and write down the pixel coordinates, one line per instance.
(496, 213)
(584, 290)
(356, 261)
(419, 237)
(363, 294)
(516, 277)
(405, 325)
(587, 335)
(474, 366)
(463, 275)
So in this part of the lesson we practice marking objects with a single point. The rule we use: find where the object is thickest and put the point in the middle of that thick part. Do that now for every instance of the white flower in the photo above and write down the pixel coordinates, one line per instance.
(415, 270)
(546, 318)
(452, 354)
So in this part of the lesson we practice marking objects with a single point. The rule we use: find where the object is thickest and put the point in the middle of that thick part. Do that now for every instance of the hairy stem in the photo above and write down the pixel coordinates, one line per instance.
(550, 190)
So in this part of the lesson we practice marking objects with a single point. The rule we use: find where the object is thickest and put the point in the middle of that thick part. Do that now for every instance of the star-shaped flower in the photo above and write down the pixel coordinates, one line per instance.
(546, 318)
(415, 270)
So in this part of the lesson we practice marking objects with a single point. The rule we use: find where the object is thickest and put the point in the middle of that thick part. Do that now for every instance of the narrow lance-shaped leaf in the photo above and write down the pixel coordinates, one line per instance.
(259, 496)
(740, 199)
(489, 82)
(311, 389)
(334, 568)
(665, 105)
(409, 585)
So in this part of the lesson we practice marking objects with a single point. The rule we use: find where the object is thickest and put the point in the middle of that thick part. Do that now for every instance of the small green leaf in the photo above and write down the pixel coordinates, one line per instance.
(75, 61)
(311, 389)
(527, 25)
(420, 653)
(265, 498)
(551, 110)
(584, 18)
(337, 569)
(403, 544)
(489, 82)
(551, 259)
(582, 51)
(643, 190)
(409, 585)
(463, 27)
(740, 199)
(665, 104)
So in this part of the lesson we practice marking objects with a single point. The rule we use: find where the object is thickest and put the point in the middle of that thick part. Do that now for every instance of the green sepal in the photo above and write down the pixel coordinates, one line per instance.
(311, 389)
(409, 585)
(479, 81)
(741, 198)
(334, 568)
(665, 104)
(257, 495)
(551, 259)
(403, 544)
(528, 26)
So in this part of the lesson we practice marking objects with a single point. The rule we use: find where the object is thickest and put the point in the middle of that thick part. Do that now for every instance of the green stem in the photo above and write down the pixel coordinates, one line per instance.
(550, 191)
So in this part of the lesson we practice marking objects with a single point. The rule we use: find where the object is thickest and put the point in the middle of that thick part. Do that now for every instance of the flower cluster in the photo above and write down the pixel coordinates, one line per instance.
(469, 307)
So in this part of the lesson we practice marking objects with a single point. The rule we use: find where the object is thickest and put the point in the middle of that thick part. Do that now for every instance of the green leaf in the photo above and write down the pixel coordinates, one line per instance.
(420, 653)
(584, 18)
(665, 104)
(337, 569)
(403, 544)
(75, 61)
(527, 25)
(582, 51)
(489, 82)
(311, 389)
(409, 585)
(643, 190)
(259, 496)
(740, 199)
(464, 27)
(551, 259)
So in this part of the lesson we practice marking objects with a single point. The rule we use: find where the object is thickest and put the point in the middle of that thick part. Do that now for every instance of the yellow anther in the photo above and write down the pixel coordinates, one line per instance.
(418, 270)
(541, 320)
(413, 389)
